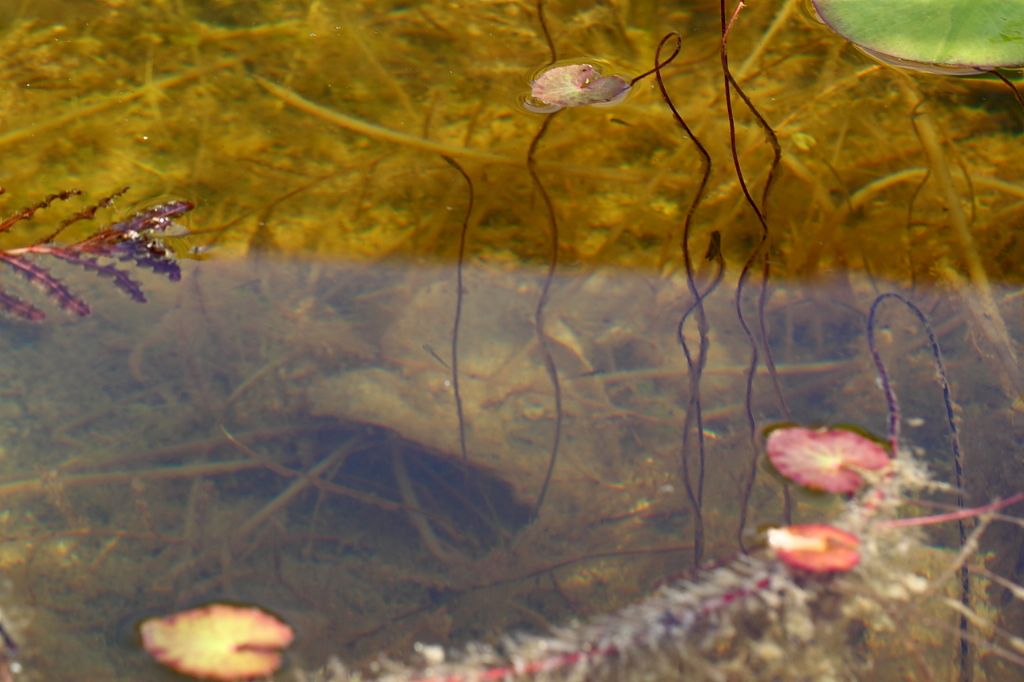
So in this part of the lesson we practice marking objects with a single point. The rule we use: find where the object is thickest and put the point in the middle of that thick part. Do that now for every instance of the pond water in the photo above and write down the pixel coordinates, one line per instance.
(281, 426)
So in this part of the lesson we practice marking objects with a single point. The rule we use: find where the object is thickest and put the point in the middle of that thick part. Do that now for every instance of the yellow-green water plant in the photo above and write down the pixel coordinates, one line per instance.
(954, 37)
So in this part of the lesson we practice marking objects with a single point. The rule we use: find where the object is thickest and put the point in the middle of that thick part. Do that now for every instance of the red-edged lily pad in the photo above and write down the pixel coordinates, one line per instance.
(815, 548)
(824, 459)
(218, 642)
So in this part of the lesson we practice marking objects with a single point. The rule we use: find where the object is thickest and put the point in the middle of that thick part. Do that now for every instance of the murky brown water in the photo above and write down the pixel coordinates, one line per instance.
(147, 451)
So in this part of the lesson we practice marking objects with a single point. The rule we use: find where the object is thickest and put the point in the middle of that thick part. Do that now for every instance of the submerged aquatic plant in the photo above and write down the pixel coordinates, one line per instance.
(135, 240)
(739, 621)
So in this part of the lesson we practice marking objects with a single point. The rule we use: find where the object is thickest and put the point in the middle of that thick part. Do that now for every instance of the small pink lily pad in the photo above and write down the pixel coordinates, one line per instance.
(218, 642)
(574, 85)
(824, 459)
(815, 548)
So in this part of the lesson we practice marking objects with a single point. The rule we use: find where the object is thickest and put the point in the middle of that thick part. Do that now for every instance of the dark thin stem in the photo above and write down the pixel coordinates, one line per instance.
(492, 517)
(694, 419)
(10, 647)
(729, 83)
(954, 440)
(660, 64)
(769, 361)
(29, 211)
(538, 313)
(773, 140)
(1013, 88)
(695, 493)
(891, 404)
(459, 292)
(547, 34)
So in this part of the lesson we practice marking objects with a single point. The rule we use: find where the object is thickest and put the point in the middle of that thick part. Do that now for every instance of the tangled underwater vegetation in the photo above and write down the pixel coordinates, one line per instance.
(390, 453)
(843, 607)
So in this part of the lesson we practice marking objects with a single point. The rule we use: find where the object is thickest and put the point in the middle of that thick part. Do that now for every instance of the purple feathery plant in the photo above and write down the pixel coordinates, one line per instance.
(135, 240)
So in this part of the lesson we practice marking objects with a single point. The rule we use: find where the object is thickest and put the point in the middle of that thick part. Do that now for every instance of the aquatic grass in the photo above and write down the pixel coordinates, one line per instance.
(445, 110)
(416, 142)
(104, 103)
(988, 318)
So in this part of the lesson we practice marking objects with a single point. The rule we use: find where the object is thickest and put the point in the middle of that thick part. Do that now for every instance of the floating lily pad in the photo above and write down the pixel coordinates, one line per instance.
(218, 642)
(815, 548)
(574, 85)
(962, 35)
(824, 459)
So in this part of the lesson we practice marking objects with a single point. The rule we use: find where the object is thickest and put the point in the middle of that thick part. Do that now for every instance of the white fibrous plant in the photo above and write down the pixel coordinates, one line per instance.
(820, 602)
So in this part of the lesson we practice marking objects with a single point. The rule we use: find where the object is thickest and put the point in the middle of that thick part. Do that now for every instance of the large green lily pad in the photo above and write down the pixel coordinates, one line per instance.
(981, 34)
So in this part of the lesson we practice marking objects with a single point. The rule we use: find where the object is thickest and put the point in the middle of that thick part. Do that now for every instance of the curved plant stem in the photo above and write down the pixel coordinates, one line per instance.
(729, 84)
(538, 314)
(1013, 88)
(545, 290)
(954, 441)
(695, 366)
(552, 51)
(459, 293)
(694, 419)
(952, 516)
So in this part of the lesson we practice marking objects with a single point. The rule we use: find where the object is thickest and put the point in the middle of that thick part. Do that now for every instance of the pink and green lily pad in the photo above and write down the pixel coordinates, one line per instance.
(828, 459)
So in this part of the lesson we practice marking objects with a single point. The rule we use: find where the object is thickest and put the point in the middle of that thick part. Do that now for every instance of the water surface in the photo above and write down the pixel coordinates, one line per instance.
(152, 455)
